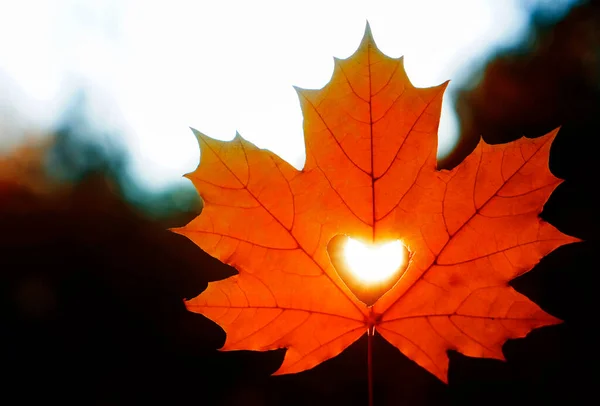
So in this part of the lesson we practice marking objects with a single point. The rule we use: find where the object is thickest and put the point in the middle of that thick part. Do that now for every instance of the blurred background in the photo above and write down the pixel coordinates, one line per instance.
(96, 101)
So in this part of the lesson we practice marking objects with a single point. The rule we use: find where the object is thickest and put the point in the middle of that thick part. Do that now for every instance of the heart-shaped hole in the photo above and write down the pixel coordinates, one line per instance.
(368, 270)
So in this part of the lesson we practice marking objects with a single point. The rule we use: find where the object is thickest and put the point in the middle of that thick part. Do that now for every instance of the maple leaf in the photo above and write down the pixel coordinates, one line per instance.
(370, 173)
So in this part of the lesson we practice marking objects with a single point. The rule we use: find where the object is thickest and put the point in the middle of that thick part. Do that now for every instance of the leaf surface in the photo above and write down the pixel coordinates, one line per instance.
(370, 173)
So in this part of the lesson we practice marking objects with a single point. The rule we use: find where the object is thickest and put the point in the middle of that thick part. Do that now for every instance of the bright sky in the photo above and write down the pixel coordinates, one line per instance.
(153, 69)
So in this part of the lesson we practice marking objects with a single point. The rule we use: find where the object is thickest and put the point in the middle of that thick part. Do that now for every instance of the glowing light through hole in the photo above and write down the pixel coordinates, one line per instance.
(374, 264)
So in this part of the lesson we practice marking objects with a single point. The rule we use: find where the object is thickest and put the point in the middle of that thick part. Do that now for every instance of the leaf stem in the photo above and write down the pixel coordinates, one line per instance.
(370, 333)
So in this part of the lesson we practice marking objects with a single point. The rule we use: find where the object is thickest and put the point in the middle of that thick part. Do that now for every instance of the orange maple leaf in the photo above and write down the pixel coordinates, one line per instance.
(370, 173)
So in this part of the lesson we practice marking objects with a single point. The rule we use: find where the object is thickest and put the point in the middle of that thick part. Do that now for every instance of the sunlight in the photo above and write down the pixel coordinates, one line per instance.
(374, 264)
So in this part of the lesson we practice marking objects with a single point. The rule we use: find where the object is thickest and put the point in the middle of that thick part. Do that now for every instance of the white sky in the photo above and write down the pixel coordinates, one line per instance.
(153, 69)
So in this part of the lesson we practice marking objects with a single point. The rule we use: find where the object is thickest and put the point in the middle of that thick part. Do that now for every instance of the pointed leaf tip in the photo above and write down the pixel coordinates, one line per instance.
(299, 90)
(368, 35)
(197, 136)
(368, 29)
(197, 133)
